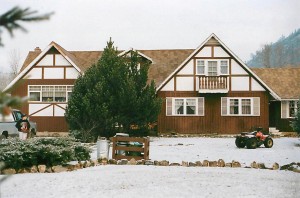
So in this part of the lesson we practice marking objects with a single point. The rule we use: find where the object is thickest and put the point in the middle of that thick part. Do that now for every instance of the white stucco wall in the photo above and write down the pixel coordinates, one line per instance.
(255, 86)
(34, 73)
(239, 83)
(61, 61)
(188, 68)
(46, 61)
(53, 73)
(236, 68)
(169, 86)
(185, 83)
(219, 52)
(205, 52)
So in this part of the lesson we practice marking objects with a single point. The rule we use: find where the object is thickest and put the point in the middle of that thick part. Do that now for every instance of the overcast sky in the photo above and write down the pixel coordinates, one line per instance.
(243, 25)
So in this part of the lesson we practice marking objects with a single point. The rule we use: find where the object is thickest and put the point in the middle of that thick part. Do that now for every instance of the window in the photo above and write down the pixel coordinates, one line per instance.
(224, 67)
(185, 106)
(240, 106)
(50, 93)
(200, 67)
(289, 108)
(34, 93)
(212, 67)
(234, 106)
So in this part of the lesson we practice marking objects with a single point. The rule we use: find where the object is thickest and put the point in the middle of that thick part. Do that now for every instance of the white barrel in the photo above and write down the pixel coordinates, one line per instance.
(102, 148)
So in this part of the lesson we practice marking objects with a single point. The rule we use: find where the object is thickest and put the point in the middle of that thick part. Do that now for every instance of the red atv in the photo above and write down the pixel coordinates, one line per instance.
(251, 140)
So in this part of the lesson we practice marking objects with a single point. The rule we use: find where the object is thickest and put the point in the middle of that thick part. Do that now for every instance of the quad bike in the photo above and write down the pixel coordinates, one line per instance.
(251, 141)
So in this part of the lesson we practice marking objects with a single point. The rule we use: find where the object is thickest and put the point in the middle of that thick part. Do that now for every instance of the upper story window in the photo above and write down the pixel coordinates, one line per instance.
(49, 93)
(212, 67)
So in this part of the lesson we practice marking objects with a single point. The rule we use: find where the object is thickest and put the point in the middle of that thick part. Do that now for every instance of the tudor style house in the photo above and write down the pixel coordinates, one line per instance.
(205, 90)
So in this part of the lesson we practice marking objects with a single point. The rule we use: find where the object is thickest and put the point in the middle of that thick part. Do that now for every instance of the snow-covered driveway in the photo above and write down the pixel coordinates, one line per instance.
(155, 181)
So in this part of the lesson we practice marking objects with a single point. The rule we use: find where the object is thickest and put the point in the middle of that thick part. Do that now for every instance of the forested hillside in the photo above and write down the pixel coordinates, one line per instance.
(284, 52)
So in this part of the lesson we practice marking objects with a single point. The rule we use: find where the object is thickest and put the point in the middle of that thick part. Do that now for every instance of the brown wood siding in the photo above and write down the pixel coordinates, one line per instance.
(50, 124)
(213, 122)
(276, 120)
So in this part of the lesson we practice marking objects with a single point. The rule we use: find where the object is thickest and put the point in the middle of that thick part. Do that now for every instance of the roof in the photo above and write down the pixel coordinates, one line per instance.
(164, 62)
(285, 81)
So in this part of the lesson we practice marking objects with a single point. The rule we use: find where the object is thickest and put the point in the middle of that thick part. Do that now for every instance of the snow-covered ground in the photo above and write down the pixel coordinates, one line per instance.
(154, 181)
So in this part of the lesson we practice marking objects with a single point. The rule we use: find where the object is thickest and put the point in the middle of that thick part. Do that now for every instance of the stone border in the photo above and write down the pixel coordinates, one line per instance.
(74, 165)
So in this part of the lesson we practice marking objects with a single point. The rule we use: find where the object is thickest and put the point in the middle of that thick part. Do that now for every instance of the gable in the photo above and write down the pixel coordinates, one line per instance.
(52, 63)
(213, 65)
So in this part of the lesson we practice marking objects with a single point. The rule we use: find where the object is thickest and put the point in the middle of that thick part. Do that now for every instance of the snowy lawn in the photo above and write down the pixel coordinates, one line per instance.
(154, 181)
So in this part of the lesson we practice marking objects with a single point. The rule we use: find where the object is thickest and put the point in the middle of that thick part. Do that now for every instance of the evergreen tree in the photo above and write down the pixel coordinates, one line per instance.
(10, 19)
(112, 96)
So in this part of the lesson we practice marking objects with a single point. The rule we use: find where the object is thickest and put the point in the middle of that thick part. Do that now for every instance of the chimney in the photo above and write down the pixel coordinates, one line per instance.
(37, 49)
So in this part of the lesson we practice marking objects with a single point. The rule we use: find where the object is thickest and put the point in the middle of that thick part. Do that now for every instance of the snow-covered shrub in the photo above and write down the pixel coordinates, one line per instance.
(49, 151)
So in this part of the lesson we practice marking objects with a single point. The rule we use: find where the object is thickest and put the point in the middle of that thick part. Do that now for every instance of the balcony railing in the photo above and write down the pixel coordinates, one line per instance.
(213, 84)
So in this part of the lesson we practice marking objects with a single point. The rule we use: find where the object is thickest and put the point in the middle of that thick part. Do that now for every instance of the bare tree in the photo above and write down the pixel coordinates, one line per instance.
(14, 62)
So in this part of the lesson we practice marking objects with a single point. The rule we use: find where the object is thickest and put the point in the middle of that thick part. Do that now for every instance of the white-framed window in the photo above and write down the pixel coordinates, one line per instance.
(212, 67)
(190, 106)
(224, 67)
(200, 67)
(289, 108)
(235, 106)
(49, 93)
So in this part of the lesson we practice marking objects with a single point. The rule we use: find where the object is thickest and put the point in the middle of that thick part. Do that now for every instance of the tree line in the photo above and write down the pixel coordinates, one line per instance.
(282, 53)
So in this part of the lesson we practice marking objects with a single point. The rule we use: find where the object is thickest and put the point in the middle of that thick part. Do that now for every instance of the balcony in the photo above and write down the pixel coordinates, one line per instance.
(213, 84)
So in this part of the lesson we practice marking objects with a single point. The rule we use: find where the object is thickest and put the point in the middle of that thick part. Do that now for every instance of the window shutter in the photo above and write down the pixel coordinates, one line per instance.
(223, 106)
(169, 106)
(256, 106)
(201, 106)
(284, 109)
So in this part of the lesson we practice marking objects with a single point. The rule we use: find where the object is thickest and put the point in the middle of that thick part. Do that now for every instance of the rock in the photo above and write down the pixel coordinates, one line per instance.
(192, 164)
(236, 164)
(132, 162)
(212, 163)
(59, 169)
(9, 171)
(94, 163)
(149, 162)
(49, 170)
(41, 168)
(261, 166)
(186, 164)
(113, 161)
(87, 164)
(33, 169)
(23, 170)
(254, 165)
(205, 163)
(122, 162)
(155, 163)
(103, 161)
(221, 163)
(174, 164)
(140, 162)
(163, 163)
(198, 163)
(228, 164)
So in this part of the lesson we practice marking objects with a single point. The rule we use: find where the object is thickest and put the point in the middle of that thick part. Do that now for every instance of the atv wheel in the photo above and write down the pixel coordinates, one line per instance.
(239, 142)
(268, 142)
(252, 143)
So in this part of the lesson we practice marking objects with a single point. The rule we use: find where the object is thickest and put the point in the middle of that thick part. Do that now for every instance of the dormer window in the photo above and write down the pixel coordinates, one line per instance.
(212, 67)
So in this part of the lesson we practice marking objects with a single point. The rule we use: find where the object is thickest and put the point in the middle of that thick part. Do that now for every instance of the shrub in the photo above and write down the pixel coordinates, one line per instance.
(49, 151)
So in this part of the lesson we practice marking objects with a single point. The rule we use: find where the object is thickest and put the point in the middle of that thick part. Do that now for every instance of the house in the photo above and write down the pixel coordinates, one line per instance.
(285, 82)
(205, 90)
